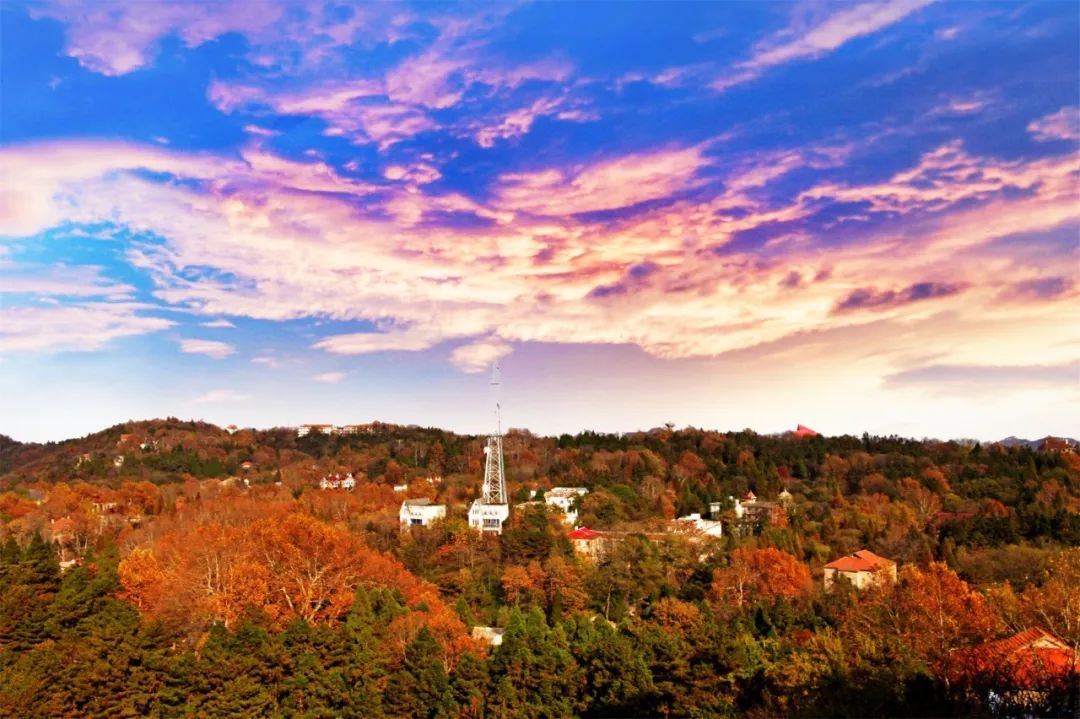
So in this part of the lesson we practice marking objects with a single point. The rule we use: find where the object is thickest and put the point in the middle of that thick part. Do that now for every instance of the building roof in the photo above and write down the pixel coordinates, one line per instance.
(804, 431)
(418, 502)
(584, 533)
(566, 491)
(861, 561)
(1027, 657)
(491, 635)
(1056, 444)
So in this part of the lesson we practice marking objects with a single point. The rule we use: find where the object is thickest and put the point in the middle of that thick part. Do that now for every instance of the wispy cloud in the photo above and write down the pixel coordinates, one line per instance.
(218, 324)
(479, 356)
(873, 299)
(220, 396)
(609, 184)
(330, 377)
(210, 348)
(81, 326)
(991, 377)
(808, 39)
(1061, 125)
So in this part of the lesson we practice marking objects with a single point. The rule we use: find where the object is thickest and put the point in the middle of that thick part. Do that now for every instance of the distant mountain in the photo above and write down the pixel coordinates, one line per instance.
(1039, 444)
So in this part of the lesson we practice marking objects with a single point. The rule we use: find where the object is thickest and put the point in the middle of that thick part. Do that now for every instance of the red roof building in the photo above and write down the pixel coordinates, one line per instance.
(862, 569)
(1031, 671)
(1056, 445)
(804, 431)
(584, 533)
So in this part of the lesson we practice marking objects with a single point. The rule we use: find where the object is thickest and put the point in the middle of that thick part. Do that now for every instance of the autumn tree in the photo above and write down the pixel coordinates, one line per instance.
(759, 575)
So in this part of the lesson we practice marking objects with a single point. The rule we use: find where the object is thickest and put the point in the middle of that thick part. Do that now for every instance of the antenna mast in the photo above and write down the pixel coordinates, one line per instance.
(493, 508)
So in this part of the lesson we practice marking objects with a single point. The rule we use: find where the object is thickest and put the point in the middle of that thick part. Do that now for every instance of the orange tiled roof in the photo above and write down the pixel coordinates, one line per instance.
(861, 561)
(1027, 657)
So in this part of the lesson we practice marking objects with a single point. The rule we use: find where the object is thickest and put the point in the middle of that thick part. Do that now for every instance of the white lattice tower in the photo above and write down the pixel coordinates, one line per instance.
(494, 490)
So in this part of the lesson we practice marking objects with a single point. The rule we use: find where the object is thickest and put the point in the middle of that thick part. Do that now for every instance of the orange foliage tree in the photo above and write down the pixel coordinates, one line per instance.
(763, 575)
(290, 566)
(929, 613)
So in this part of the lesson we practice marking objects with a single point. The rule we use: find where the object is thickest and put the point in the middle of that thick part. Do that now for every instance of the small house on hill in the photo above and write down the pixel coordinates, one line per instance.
(1057, 445)
(1020, 671)
(564, 498)
(804, 431)
(591, 543)
(697, 524)
(491, 635)
(862, 569)
(420, 512)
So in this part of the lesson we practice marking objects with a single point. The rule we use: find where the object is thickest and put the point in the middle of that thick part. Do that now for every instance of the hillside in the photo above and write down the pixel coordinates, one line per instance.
(212, 562)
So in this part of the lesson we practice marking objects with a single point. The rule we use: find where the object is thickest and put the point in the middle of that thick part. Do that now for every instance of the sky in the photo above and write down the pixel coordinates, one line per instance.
(854, 216)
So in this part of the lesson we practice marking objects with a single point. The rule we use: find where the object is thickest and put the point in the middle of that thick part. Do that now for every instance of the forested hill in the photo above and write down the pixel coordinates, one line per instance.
(223, 572)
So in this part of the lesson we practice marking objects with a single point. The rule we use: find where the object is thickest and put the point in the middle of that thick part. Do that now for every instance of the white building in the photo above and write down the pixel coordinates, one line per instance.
(491, 635)
(709, 527)
(420, 512)
(563, 498)
(862, 569)
(337, 481)
(488, 517)
(306, 429)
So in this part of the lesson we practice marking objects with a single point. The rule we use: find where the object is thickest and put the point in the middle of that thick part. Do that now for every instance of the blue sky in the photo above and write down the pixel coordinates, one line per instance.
(857, 216)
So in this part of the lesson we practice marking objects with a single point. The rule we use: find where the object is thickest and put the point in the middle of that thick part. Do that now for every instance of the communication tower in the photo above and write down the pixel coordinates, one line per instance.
(490, 512)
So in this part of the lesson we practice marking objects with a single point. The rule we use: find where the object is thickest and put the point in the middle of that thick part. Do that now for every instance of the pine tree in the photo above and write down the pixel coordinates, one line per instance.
(420, 688)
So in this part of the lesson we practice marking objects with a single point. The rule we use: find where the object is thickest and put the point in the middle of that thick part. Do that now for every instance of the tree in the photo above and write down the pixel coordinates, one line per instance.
(420, 688)
(759, 575)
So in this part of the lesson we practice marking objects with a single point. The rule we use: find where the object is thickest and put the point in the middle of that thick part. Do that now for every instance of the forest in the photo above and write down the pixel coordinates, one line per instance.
(176, 569)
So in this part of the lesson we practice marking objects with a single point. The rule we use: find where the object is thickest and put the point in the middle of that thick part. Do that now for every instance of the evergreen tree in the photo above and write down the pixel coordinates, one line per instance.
(420, 688)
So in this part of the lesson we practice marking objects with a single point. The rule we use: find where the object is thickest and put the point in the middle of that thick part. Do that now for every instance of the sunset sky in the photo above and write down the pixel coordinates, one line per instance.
(860, 217)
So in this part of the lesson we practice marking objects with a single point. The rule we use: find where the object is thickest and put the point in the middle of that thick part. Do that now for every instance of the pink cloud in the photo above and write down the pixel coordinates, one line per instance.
(1061, 125)
(479, 356)
(294, 243)
(86, 326)
(210, 348)
(330, 377)
(420, 173)
(115, 37)
(611, 184)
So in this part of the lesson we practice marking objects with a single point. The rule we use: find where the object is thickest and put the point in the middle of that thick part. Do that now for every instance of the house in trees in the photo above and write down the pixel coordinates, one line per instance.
(862, 569)
(804, 431)
(337, 481)
(1019, 672)
(563, 498)
(752, 513)
(420, 512)
(492, 635)
(1057, 445)
(696, 523)
(591, 543)
(306, 429)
